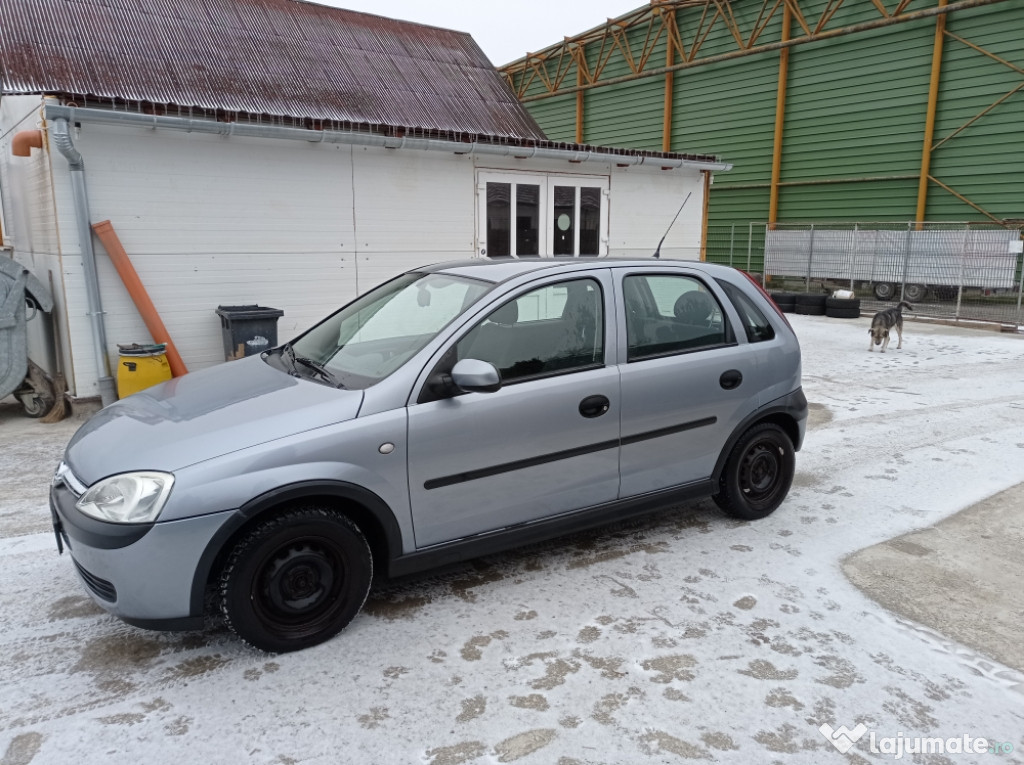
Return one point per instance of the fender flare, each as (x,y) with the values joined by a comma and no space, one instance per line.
(372,505)
(790,409)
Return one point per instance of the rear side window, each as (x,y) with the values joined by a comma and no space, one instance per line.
(755,324)
(668,314)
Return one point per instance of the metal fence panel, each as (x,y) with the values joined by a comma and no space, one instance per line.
(948,270)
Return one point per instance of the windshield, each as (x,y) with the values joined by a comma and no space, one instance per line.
(372,337)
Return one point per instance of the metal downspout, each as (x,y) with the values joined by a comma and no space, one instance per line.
(780,120)
(61,135)
(929,123)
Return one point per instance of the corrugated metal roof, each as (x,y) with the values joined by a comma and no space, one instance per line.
(253,58)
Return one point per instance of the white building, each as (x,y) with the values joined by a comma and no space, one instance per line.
(290,158)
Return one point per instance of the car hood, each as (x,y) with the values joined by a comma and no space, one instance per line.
(203,415)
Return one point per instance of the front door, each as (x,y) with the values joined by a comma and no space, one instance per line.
(546,443)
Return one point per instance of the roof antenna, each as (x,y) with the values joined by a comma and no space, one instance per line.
(657,250)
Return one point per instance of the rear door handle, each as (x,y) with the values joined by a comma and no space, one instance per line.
(594,406)
(731,379)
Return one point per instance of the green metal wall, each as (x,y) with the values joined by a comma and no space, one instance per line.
(855,117)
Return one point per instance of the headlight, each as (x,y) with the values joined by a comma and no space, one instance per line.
(127,498)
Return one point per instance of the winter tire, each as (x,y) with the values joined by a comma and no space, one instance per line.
(786,301)
(816,301)
(810,305)
(296,580)
(842,303)
(842,308)
(843,313)
(757,473)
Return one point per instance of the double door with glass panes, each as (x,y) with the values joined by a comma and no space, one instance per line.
(528,215)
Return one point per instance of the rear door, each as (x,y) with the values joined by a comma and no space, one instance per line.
(687,382)
(547,442)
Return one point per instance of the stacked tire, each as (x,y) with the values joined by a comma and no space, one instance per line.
(786,301)
(842,308)
(811,305)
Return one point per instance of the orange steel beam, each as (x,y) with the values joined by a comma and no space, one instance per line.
(521,75)
(704,215)
(670,84)
(978,116)
(965,200)
(819,182)
(984,52)
(780,120)
(106,234)
(579,105)
(929,122)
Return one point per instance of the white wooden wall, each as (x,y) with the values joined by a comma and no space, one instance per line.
(303,227)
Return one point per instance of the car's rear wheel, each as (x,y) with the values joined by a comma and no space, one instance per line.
(758,473)
(296,580)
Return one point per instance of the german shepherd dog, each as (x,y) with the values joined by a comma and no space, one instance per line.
(890,318)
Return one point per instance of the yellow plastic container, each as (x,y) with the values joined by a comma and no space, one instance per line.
(141,367)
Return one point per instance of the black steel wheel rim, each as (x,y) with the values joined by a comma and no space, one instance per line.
(298,587)
(761,472)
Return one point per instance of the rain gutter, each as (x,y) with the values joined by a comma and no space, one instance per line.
(61,136)
(252,130)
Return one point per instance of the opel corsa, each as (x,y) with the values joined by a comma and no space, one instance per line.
(451,412)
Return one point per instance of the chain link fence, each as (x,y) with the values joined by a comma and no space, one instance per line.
(946,270)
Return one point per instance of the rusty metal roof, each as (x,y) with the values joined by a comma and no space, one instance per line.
(280,59)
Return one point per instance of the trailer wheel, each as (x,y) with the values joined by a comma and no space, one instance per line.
(915,293)
(884,290)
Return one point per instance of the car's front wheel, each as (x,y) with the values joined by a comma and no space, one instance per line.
(296,580)
(758,473)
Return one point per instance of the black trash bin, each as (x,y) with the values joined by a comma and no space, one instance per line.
(247,329)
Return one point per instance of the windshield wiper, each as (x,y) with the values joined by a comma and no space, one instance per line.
(287,349)
(317,367)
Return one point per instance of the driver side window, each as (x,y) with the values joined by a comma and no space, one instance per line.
(551,330)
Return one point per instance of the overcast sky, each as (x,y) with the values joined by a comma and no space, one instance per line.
(505,31)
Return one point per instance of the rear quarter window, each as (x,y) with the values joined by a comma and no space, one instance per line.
(755,323)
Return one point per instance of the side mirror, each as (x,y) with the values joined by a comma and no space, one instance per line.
(475,376)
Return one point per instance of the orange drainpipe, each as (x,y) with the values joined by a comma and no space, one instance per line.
(21,146)
(26,140)
(106,234)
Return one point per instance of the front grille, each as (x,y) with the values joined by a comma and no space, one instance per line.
(103,589)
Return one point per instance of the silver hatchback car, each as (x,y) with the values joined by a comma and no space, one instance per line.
(454,411)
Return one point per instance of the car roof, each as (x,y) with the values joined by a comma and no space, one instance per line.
(499,270)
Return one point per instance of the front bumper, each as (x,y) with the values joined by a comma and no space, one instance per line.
(144,574)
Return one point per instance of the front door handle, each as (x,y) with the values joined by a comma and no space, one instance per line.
(731,379)
(594,406)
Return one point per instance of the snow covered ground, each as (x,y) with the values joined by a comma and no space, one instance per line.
(683,636)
